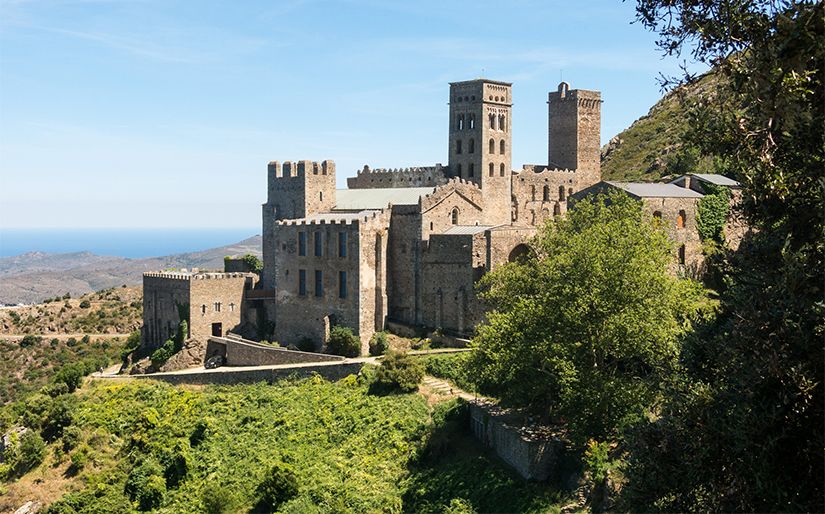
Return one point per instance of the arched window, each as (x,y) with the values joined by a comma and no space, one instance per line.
(458,169)
(472,121)
(501,169)
(471,170)
(561,193)
(514,210)
(569,191)
(556,210)
(680,220)
(501,147)
(493,121)
(492,146)
(533,193)
(501,123)
(458,146)
(454,216)
(545,194)
(682,255)
(492,169)
(657,214)
(460,122)
(532,217)
(471,146)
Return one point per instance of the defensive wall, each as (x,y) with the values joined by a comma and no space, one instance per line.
(540,192)
(242,352)
(416,176)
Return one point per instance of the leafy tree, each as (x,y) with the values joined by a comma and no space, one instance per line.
(712,213)
(399,371)
(278,486)
(587,328)
(343,342)
(30,340)
(379,343)
(743,430)
(145,484)
(85,304)
(253,263)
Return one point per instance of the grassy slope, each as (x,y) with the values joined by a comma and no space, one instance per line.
(352,451)
(646,149)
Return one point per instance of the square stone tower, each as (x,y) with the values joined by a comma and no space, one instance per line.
(480,139)
(574,135)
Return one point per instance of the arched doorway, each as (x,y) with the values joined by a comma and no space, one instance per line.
(520,253)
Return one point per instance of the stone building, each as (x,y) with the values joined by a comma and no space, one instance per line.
(408,245)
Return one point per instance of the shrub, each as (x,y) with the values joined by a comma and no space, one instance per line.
(85,304)
(175,463)
(30,340)
(146,485)
(72,435)
(29,453)
(379,344)
(163,354)
(399,371)
(278,486)
(71,342)
(85,339)
(343,342)
(218,500)
(459,506)
(71,375)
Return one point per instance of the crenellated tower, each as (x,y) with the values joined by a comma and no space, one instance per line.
(480,140)
(294,190)
(574,132)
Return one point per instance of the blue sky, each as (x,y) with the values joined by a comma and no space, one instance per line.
(164,114)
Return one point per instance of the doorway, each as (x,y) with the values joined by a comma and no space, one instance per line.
(217,329)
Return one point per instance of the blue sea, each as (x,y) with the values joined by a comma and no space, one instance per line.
(129,242)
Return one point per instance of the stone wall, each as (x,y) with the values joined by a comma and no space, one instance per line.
(424,176)
(299,316)
(686,236)
(574,120)
(250,353)
(217,303)
(540,193)
(534,453)
(404,264)
(229,376)
(165,305)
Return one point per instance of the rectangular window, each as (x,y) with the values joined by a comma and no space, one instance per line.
(302,243)
(342,244)
(319,283)
(302,282)
(217,306)
(319,244)
(342,284)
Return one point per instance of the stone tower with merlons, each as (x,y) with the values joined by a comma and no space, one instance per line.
(574,132)
(480,142)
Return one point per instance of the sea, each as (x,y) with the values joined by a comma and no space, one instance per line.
(132,243)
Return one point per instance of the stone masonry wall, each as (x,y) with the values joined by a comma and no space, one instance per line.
(687,235)
(424,176)
(404,264)
(165,298)
(540,193)
(217,301)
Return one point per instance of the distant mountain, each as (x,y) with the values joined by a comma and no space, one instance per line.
(651,148)
(35,276)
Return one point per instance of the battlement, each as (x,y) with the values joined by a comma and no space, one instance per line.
(581,97)
(297,169)
(415,176)
(337,219)
(194,275)
(541,169)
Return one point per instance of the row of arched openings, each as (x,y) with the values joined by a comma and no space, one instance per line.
(545,194)
(681,217)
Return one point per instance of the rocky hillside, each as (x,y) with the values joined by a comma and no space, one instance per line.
(35,276)
(651,148)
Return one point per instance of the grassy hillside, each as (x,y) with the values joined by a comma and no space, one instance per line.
(336,447)
(651,148)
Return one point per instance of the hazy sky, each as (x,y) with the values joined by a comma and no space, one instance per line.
(164,114)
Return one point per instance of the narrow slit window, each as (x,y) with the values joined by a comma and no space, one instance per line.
(302,244)
(319,244)
(342,284)
(319,283)
(302,282)
(342,244)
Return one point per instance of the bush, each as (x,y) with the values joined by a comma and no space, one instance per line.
(379,343)
(163,354)
(146,485)
(71,342)
(29,340)
(218,500)
(85,304)
(71,375)
(175,463)
(343,342)
(399,371)
(306,345)
(278,486)
(28,453)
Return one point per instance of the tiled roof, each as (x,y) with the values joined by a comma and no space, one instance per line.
(656,190)
(360,199)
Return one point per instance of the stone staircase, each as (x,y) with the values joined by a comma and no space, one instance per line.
(444,388)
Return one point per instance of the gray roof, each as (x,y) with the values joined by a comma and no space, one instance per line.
(656,190)
(463,230)
(360,199)
(719,180)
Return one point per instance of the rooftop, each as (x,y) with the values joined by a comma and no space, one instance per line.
(362,199)
(338,216)
(463,230)
(656,190)
(719,180)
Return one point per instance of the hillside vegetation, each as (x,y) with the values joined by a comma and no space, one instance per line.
(651,148)
(295,446)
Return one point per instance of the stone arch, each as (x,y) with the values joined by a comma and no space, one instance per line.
(501,147)
(492,168)
(681,218)
(454,216)
(492,145)
(501,169)
(545,193)
(519,253)
(561,193)
(471,146)
(556,210)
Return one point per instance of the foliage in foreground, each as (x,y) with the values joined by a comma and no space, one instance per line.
(399,371)
(342,341)
(303,446)
(742,429)
(587,331)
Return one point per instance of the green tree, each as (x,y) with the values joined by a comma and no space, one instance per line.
(343,342)
(278,486)
(399,371)
(586,328)
(743,430)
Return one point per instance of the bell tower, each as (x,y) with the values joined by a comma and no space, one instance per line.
(574,132)
(480,140)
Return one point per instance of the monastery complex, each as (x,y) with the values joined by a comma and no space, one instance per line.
(407,246)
